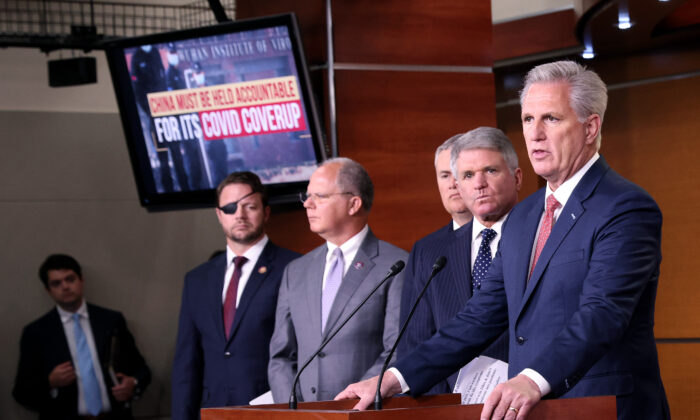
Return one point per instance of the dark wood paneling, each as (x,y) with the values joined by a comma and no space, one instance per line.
(680,371)
(310,13)
(543,33)
(290,229)
(392,122)
(440,32)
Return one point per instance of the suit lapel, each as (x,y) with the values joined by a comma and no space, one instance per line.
(314,286)
(101,334)
(57,336)
(568,217)
(355,275)
(255,281)
(459,262)
(216,288)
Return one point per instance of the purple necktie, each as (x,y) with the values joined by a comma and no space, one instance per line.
(335,277)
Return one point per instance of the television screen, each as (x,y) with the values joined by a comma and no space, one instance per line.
(199,104)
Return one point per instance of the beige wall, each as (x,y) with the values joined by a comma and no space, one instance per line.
(67,186)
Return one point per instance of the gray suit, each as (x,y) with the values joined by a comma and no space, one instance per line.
(360,348)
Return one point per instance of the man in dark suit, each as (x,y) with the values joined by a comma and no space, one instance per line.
(489,193)
(321,288)
(79,359)
(575,277)
(228,307)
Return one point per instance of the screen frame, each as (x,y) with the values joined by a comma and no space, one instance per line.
(280,194)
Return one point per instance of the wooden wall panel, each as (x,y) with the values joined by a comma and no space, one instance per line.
(441,32)
(680,371)
(543,33)
(392,122)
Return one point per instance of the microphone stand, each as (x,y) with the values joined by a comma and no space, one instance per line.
(394,270)
(437,267)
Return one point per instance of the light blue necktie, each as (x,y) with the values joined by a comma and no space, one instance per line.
(91,389)
(335,277)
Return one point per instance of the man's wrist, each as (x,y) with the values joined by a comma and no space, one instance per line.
(539,380)
(404,386)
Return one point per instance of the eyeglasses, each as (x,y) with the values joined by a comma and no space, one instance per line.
(231,208)
(303,196)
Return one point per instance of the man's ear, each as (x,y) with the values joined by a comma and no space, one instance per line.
(355,204)
(592,128)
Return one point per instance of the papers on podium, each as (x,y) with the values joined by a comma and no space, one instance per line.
(479,377)
(265,398)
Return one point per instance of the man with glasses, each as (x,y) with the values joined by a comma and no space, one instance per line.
(321,288)
(228,307)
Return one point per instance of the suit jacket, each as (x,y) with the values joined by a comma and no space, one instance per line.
(585,318)
(446,295)
(209,370)
(361,347)
(43,346)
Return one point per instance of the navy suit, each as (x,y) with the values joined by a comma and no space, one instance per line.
(585,318)
(44,346)
(446,295)
(209,370)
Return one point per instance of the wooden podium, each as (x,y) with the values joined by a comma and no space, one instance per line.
(444,406)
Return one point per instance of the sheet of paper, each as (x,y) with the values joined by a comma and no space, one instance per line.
(265,398)
(479,377)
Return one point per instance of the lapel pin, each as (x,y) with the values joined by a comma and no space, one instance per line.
(573,216)
(262,270)
(359,265)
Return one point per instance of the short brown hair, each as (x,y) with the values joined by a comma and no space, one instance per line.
(244,177)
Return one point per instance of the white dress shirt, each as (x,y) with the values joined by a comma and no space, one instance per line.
(477,227)
(69,330)
(253,253)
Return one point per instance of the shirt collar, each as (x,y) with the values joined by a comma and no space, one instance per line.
(252,253)
(350,246)
(68,316)
(477,226)
(565,190)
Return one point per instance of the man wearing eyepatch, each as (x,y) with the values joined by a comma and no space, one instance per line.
(228,307)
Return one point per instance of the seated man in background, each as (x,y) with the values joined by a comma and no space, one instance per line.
(78,360)
(488,187)
(228,307)
(321,288)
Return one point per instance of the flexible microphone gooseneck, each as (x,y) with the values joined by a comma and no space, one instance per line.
(439,264)
(394,270)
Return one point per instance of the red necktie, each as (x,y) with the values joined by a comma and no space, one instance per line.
(545,228)
(231,294)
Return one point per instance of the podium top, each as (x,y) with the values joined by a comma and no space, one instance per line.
(444,406)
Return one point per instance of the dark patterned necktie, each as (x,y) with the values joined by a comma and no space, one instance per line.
(483,258)
(232,294)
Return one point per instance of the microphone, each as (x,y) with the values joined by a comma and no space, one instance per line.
(394,270)
(437,267)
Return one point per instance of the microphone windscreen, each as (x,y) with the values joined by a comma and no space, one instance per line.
(397,267)
(439,263)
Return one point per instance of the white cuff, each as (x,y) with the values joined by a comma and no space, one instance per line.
(402,381)
(542,383)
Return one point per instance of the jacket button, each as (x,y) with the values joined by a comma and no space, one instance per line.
(227,354)
(313,390)
(322,355)
(520,340)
